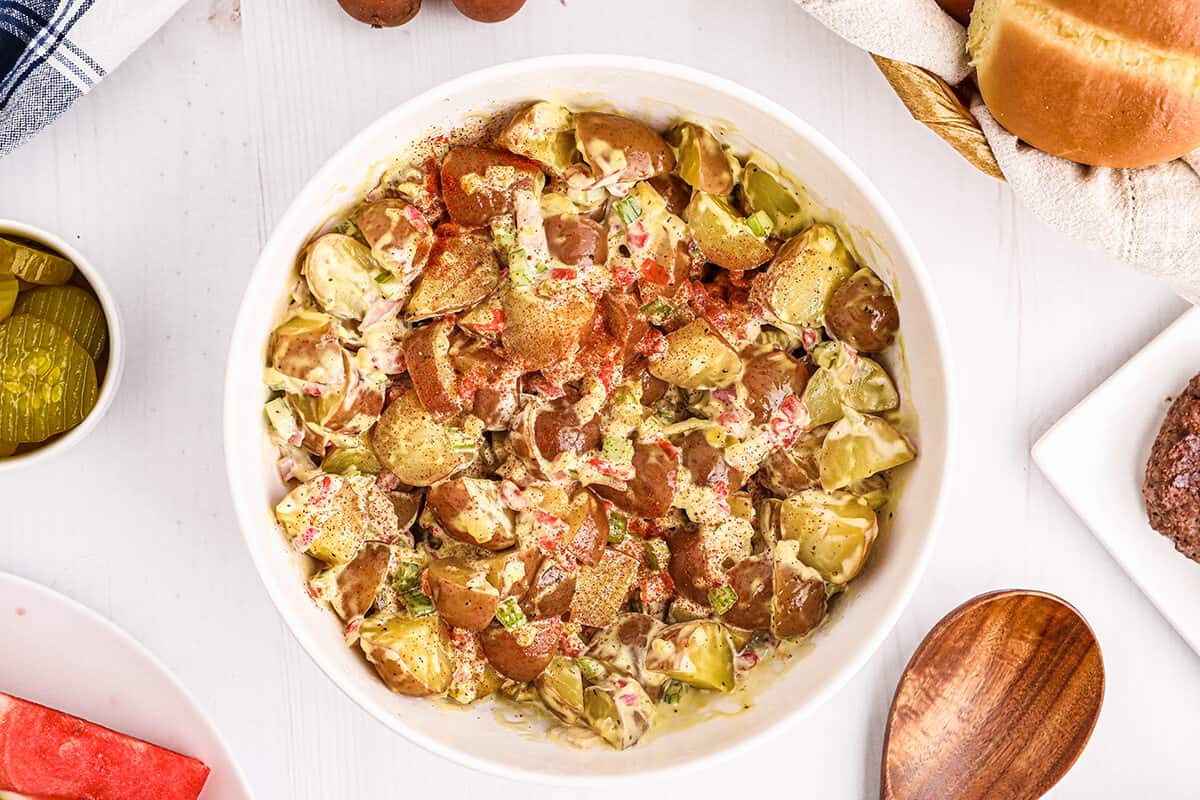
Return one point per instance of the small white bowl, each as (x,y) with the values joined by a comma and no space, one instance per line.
(659,93)
(115,355)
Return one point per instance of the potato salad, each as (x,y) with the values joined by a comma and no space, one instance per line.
(584,413)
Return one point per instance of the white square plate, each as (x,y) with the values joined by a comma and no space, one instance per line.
(1096,456)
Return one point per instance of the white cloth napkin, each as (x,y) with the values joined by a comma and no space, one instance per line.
(1148,217)
(52,52)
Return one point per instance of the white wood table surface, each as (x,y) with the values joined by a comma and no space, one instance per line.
(172,173)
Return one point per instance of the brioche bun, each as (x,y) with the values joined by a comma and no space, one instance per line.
(1111,83)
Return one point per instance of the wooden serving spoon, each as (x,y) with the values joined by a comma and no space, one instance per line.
(997,702)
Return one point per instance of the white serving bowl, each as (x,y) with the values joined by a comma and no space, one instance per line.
(657,92)
(110,377)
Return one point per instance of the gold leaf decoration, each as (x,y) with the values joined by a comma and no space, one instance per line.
(932,102)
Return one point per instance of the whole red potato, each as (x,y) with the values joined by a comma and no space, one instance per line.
(489,10)
(381,13)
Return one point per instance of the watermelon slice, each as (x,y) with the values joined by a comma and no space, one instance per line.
(46,753)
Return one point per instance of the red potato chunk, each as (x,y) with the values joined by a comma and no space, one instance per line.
(576,240)
(522,654)
(358,583)
(770,378)
(306,348)
(427,355)
(478,183)
(462,593)
(600,590)
(753,581)
(542,331)
(462,271)
(551,592)
(587,525)
(399,236)
(616,144)
(625,323)
(706,464)
(652,489)
(470,510)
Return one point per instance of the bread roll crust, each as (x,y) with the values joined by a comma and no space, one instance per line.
(959,9)
(1112,83)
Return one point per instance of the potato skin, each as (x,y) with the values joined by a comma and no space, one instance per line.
(522,662)
(360,581)
(461,593)
(576,240)
(469,507)
(381,13)
(551,593)
(862,313)
(427,355)
(688,565)
(544,331)
(489,10)
(706,464)
(799,602)
(753,580)
(647,154)
(652,489)
(769,379)
(475,208)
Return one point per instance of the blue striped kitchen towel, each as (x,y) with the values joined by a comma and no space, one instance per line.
(52,52)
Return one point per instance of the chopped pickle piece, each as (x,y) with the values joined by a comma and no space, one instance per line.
(618,709)
(723,236)
(859,446)
(789,208)
(699,653)
(805,273)
(834,530)
(33,264)
(71,308)
(560,687)
(9,289)
(846,378)
(47,381)
(355,454)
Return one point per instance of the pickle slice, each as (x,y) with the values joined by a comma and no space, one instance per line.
(47,381)
(71,308)
(34,265)
(8,293)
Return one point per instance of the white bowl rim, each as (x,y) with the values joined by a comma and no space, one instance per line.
(116,346)
(249,519)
